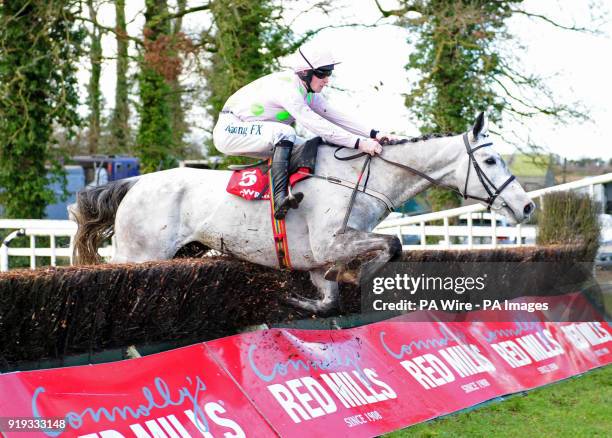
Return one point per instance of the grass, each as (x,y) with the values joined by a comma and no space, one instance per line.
(576,407)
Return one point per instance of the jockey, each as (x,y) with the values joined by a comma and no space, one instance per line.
(256,120)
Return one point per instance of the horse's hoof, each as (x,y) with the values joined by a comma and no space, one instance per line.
(349,276)
(315,306)
(332,273)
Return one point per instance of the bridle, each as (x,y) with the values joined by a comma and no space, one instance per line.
(484,179)
(486,182)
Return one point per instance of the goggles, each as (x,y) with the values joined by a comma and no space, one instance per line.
(321,74)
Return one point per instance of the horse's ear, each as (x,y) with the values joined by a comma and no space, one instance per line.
(481,126)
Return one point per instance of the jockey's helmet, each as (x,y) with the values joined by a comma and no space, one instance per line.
(314,60)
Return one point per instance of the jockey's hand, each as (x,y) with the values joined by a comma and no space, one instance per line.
(384,138)
(369,146)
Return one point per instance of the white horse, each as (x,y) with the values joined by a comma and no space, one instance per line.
(154,215)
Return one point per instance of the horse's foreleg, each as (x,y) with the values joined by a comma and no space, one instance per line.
(328,291)
(358,247)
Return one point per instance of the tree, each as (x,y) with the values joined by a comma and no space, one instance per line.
(160,69)
(120,129)
(464,69)
(94,99)
(39,47)
(154,142)
(248,38)
(177,107)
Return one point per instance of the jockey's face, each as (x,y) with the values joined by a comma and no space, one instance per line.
(317,84)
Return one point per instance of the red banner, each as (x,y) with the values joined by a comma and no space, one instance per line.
(363,381)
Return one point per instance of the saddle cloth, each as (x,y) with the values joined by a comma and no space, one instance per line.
(253,183)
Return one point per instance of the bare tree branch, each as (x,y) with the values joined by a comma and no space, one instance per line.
(110,29)
(554,23)
(414,7)
(184,12)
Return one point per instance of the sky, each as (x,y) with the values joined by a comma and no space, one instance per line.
(371,79)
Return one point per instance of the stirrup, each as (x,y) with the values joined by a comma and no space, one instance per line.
(291,201)
(294,199)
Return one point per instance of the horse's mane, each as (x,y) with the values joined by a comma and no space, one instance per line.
(429,136)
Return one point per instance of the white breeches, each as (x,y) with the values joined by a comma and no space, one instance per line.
(252,139)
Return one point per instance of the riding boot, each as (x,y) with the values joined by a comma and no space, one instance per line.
(283,198)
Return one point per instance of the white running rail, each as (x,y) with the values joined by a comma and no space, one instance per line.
(470,235)
(34,228)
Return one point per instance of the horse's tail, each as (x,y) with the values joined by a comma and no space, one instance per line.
(94,213)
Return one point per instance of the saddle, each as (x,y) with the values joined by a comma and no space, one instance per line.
(252,181)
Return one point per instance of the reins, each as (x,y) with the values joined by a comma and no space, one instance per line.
(483,178)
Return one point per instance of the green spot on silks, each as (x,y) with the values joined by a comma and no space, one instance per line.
(257,109)
(283,115)
(309,98)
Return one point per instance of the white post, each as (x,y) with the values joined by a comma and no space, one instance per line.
(446,232)
(423,237)
(53,256)
(4,255)
(592,191)
(71,247)
(519,235)
(493,229)
(32,252)
(4,258)
(399,233)
(470,224)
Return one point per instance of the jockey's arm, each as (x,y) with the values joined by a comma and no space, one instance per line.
(318,125)
(322,107)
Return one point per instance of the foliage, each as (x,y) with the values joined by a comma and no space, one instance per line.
(94,98)
(176,97)
(570,218)
(120,130)
(249,37)
(458,61)
(160,68)
(39,46)
(463,68)
(154,142)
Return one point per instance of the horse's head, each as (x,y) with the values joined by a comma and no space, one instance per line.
(483,175)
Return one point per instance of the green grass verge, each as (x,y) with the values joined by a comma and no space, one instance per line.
(576,407)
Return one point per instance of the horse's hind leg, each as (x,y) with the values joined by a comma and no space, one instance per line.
(328,291)
(135,243)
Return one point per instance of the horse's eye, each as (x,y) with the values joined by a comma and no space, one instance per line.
(490,161)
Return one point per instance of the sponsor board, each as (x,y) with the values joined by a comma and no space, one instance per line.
(363,381)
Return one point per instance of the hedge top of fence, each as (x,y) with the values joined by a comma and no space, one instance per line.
(53,312)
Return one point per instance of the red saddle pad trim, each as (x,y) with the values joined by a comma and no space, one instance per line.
(254,185)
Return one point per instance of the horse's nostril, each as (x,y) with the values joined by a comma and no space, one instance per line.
(529,208)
